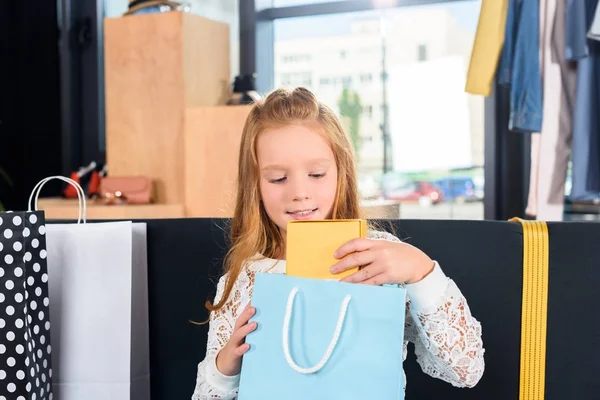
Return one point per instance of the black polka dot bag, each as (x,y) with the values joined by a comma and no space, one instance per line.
(25,349)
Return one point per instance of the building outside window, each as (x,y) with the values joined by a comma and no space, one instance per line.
(436,130)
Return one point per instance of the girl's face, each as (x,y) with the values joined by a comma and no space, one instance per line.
(298,174)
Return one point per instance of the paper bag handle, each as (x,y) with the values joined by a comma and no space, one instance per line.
(80,195)
(332,344)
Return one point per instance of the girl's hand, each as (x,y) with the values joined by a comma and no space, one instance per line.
(229,359)
(382,262)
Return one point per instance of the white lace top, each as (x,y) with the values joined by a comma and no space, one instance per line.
(446,337)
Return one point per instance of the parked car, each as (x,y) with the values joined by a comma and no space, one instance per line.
(459,189)
(407,191)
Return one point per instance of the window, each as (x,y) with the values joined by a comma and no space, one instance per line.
(298,58)
(366,78)
(422,55)
(336,81)
(432,158)
(296,79)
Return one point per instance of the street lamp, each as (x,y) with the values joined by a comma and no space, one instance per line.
(385,131)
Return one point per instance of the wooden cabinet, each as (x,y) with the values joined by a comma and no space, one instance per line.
(167,82)
(156,67)
(213,136)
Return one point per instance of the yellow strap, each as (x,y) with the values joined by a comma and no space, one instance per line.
(534,309)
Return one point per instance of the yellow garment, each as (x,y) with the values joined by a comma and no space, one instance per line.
(487,46)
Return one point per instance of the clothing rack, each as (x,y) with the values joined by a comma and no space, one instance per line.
(554,92)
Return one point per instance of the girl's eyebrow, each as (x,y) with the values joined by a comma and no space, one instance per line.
(279,167)
(273,167)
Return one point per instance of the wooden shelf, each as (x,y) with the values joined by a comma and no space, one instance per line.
(56,208)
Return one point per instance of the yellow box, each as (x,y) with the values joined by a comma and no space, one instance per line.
(311,245)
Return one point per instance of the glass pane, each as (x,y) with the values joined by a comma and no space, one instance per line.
(412,61)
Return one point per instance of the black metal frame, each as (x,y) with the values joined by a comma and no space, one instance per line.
(506,153)
(337,7)
(507,161)
(81,49)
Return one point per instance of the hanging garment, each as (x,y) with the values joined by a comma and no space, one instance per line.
(505,79)
(594,32)
(487,46)
(505,67)
(586,123)
(559,78)
(520,68)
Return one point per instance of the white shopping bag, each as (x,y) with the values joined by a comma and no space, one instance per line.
(98,285)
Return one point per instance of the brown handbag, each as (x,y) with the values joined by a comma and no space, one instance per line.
(126,189)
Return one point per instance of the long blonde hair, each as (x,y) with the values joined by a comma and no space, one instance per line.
(252,231)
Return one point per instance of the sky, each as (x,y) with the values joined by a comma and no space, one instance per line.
(465,12)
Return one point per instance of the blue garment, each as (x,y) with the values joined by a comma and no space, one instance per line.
(365,361)
(504,74)
(520,66)
(576,30)
(586,119)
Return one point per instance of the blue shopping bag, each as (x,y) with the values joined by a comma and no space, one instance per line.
(319,339)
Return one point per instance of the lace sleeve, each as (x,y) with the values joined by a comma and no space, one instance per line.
(447,338)
(210,383)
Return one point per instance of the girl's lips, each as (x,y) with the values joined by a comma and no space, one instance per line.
(303,214)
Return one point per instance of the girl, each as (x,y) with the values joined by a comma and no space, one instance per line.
(296,162)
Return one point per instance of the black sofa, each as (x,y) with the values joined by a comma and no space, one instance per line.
(483,257)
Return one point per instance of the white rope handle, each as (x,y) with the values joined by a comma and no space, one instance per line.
(332,344)
(80,195)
